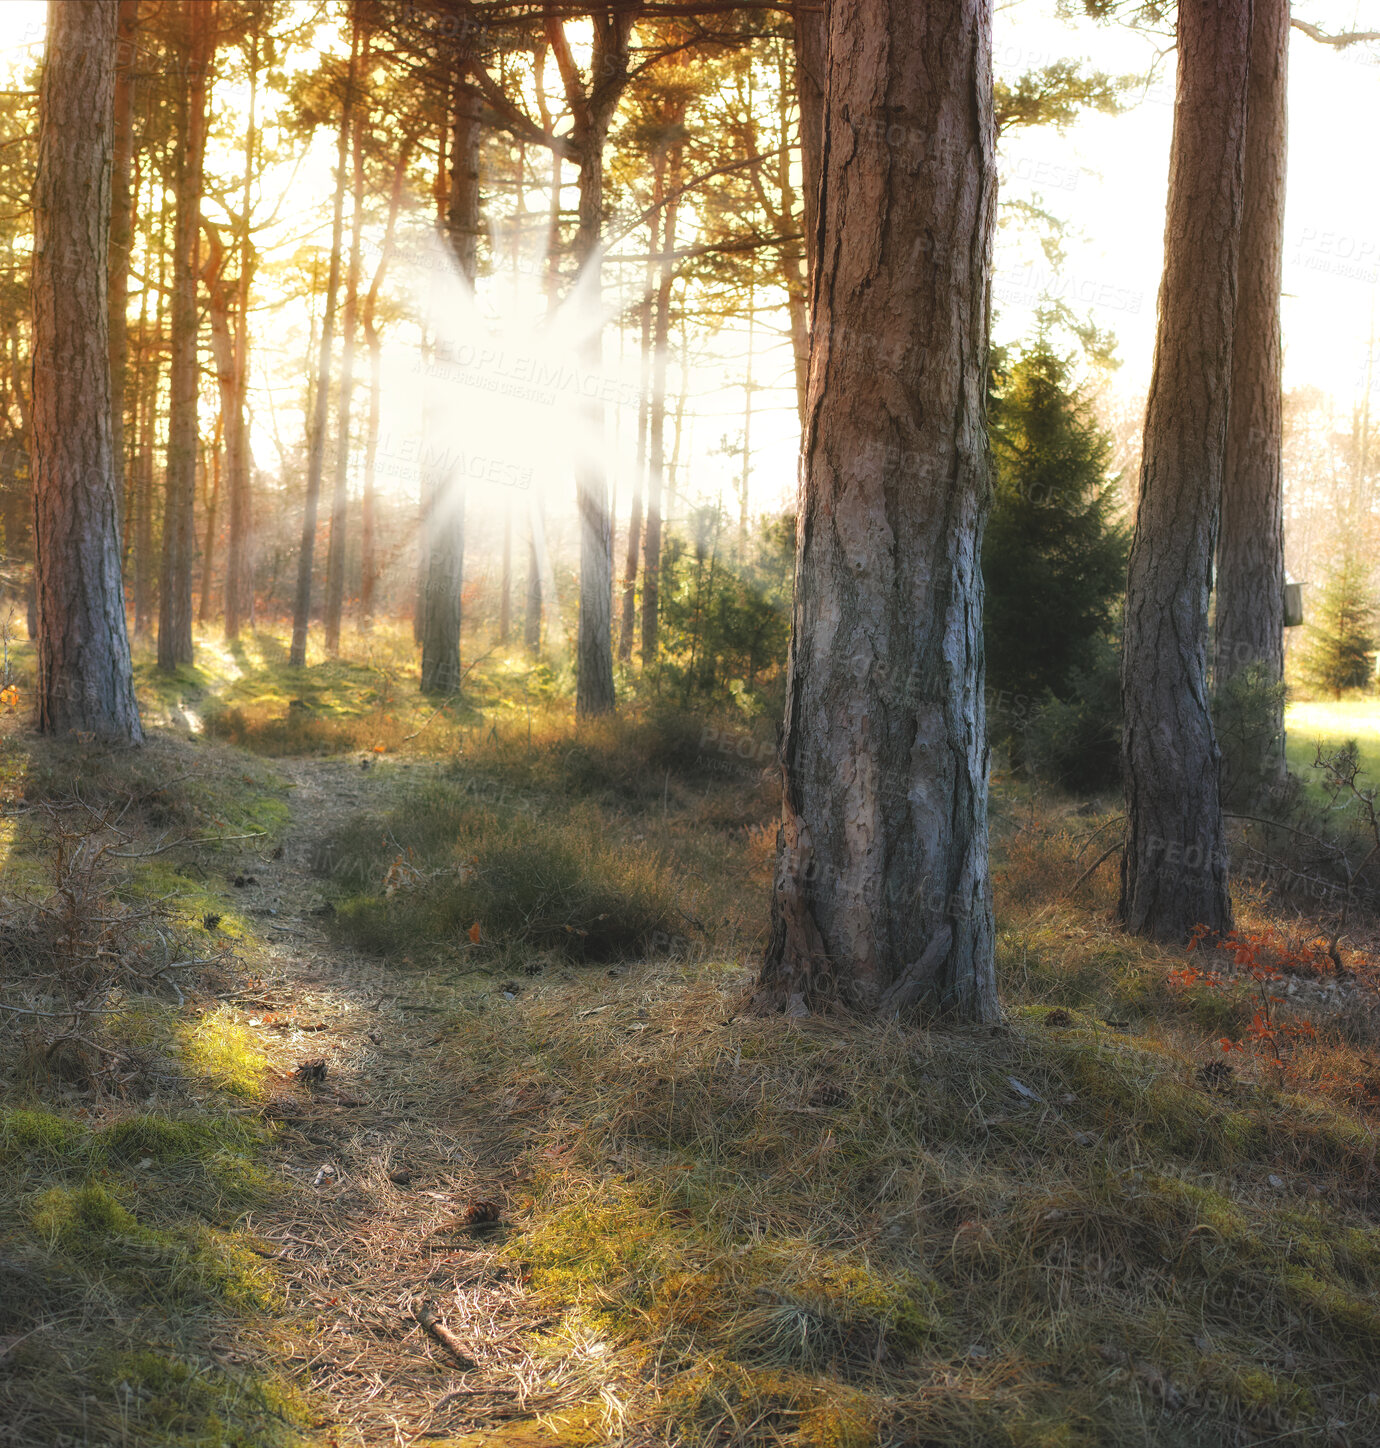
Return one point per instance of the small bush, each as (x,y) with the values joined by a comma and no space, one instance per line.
(1075,742)
(1248,714)
(445,872)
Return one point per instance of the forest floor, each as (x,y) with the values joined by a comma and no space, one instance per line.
(498,970)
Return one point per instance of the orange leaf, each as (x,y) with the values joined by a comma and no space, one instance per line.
(474,933)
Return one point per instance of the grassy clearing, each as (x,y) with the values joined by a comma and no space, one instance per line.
(1090,1226)
(1310,723)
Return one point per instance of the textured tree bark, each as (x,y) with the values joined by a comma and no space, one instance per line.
(340,498)
(1249,617)
(121,229)
(1174,869)
(882,899)
(84,677)
(199,19)
(445,525)
(316,445)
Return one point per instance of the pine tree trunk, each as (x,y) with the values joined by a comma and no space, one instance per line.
(336,551)
(368,547)
(531,617)
(121,231)
(1174,870)
(811,33)
(591,114)
(210,464)
(179,501)
(152,384)
(594,693)
(656,466)
(628,623)
(882,899)
(239,545)
(316,447)
(85,681)
(1249,622)
(445,521)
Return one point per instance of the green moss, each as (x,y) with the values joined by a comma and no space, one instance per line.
(41,1138)
(227,1053)
(167,1141)
(84,1222)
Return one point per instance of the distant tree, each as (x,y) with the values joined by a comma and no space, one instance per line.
(84,677)
(882,899)
(1054,554)
(1342,637)
(1174,873)
(196,48)
(316,445)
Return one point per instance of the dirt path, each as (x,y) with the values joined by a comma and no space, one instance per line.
(380,1158)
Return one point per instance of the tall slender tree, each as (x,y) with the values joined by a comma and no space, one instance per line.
(445,519)
(121,229)
(882,899)
(340,496)
(316,443)
(592,106)
(85,680)
(197,43)
(1174,868)
(239,541)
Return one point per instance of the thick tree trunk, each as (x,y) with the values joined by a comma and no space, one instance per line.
(239,546)
(1174,870)
(882,899)
(340,500)
(84,676)
(656,465)
(1249,621)
(179,502)
(121,230)
(316,448)
(445,520)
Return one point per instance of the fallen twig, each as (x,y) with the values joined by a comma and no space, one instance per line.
(1106,854)
(432,1324)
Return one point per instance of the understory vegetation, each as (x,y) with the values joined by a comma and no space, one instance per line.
(1145,1208)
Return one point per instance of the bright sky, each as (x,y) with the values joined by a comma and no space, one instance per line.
(1105,178)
